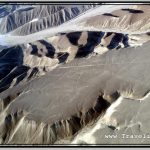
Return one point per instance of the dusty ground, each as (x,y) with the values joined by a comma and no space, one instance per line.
(78,87)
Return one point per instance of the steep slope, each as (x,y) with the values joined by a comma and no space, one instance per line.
(127,19)
(23,62)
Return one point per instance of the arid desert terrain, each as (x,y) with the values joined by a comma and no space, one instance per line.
(75,74)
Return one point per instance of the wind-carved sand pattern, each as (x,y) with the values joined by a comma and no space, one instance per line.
(74,74)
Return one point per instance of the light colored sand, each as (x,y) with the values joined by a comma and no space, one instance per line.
(51,108)
(92,22)
(79,82)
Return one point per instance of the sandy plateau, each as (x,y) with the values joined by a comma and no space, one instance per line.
(74,74)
